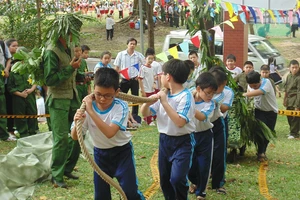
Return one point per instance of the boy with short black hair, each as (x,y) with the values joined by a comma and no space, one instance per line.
(190,82)
(265,107)
(106,119)
(265,73)
(193,56)
(230,65)
(175,110)
(241,78)
(223,99)
(83,81)
(146,81)
(292,97)
(206,86)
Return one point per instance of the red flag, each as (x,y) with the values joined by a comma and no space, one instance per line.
(196,41)
(246,12)
(124,73)
(282,14)
(163,3)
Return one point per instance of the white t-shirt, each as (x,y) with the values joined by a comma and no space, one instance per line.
(183,103)
(267,101)
(124,60)
(235,71)
(109,23)
(117,114)
(228,98)
(157,69)
(207,108)
(147,74)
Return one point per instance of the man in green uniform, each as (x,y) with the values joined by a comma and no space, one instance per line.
(292,97)
(60,68)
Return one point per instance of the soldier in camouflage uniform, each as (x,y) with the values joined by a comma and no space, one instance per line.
(60,68)
(292,98)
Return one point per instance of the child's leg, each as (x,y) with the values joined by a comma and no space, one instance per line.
(218,166)
(164,166)
(179,152)
(101,188)
(204,158)
(269,118)
(19,108)
(125,172)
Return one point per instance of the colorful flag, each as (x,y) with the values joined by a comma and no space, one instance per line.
(253,13)
(196,41)
(137,66)
(162,56)
(184,46)
(174,52)
(243,17)
(124,73)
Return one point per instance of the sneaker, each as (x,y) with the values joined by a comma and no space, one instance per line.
(262,157)
(152,124)
(291,137)
(221,190)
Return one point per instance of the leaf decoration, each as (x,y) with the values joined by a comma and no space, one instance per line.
(30,63)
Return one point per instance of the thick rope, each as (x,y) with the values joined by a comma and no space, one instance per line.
(78,125)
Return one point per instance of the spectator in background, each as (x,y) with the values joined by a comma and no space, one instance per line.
(4,69)
(12,46)
(132,60)
(120,9)
(109,27)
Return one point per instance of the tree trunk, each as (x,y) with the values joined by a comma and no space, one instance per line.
(149,14)
(38,7)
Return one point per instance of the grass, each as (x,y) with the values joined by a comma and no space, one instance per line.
(282,172)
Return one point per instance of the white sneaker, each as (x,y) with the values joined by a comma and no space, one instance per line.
(291,137)
(152,124)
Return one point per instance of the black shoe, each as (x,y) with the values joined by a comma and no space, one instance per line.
(71,176)
(58,184)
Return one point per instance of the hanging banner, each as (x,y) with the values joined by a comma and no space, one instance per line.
(235,8)
(243,17)
(196,41)
(124,73)
(234,19)
(277,16)
(267,4)
(229,8)
(260,15)
(218,31)
(162,56)
(253,13)
(272,15)
(174,52)
(229,23)
(244,8)
(184,47)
